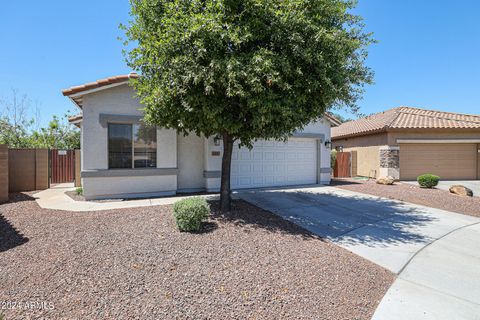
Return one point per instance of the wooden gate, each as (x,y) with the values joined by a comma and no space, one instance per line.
(342,165)
(62,164)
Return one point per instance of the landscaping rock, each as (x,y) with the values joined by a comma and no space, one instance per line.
(435,198)
(461,191)
(385,180)
(132,263)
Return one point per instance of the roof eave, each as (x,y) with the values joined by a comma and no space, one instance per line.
(76,93)
(332,119)
(360,134)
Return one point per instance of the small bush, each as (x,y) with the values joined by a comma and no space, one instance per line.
(333,158)
(79,191)
(428,180)
(189,213)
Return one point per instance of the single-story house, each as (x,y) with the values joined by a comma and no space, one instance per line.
(406,142)
(122,157)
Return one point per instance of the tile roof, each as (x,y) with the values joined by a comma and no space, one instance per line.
(333,120)
(124,78)
(75,118)
(406,118)
(99,83)
(75,93)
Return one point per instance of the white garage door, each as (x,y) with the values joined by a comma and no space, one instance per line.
(275,163)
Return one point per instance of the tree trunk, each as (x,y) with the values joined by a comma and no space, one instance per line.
(225,199)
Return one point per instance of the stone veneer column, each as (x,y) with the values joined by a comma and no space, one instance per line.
(390,161)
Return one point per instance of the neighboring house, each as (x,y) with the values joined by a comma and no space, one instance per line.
(121,157)
(406,142)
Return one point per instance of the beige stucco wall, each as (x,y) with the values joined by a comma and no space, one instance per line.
(390,137)
(197,159)
(213,164)
(478,161)
(366,159)
(106,187)
(432,134)
(120,100)
(323,127)
(190,163)
(379,139)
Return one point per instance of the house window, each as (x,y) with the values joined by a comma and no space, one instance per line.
(132,146)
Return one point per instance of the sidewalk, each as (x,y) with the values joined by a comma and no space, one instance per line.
(442,282)
(56,199)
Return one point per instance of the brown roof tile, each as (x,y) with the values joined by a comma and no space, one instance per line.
(99,83)
(75,118)
(333,120)
(406,118)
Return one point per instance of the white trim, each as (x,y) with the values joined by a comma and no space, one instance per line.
(108,86)
(438,140)
(389,148)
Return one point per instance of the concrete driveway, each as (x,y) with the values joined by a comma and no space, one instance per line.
(385,231)
(442,282)
(435,253)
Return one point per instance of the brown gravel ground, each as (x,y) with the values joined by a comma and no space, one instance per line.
(434,198)
(134,264)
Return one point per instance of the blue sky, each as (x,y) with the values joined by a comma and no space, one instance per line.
(427,55)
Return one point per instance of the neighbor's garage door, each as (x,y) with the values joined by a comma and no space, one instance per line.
(449,161)
(273,163)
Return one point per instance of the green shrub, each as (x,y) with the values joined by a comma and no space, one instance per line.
(189,213)
(333,158)
(428,180)
(79,191)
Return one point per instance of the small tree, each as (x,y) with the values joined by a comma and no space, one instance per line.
(245,69)
(19,129)
(15,124)
(58,135)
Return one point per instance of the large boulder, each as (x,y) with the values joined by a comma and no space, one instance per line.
(461,191)
(386,180)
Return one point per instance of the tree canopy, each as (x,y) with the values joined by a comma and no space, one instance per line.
(245,69)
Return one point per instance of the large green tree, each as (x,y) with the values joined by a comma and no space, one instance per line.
(245,69)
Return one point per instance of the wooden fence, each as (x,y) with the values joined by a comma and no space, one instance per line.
(34,169)
(62,165)
(342,167)
(28,169)
(3,173)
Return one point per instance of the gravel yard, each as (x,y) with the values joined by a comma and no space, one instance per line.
(434,198)
(134,264)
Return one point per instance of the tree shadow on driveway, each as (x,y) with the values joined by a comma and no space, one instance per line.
(353,219)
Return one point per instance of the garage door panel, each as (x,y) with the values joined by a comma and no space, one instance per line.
(449,161)
(269,168)
(257,167)
(275,163)
(268,155)
(257,155)
(268,143)
(291,156)
(280,156)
